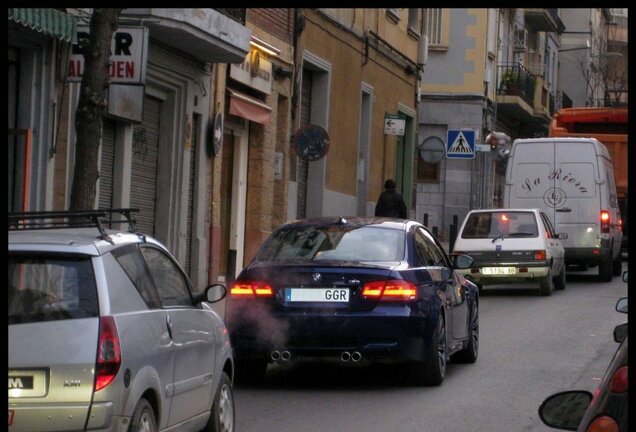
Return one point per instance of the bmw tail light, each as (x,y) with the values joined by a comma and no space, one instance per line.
(603,424)
(618,384)
(108,353)
(390,290)
(540,255)
(605,221)
(251,289)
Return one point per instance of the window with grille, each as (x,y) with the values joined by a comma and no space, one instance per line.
(433,25)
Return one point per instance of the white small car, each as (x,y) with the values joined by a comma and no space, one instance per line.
(511,246)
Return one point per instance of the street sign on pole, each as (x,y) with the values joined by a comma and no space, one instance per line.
(460,144)
(394,124)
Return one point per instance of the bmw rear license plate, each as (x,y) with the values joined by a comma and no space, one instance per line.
(329,295)
(498,270)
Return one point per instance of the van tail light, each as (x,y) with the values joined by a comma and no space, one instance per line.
(603,423)
(540,255)
(390,290)
(108,353)
(618,384)
(605,221)
(251,289)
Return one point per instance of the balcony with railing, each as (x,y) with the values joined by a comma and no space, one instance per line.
(544,20)
(516,80)
(523,99)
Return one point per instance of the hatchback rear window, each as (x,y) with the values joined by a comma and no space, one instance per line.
(49,288)
(500,224)
(366,243)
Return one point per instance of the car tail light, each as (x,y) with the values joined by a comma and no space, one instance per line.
(618,384)
(620,224)
(603,424)
(390,290)
(605,221)
(251,289)
(540,254)
(108,353)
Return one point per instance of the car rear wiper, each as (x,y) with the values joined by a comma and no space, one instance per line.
(521,234)
(501,236)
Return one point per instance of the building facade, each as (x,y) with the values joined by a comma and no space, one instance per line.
(354,69)
(214,143)
(153,154)
(487,70)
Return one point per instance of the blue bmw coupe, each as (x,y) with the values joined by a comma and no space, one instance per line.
(358,290)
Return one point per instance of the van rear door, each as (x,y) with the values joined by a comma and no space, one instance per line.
(575,197)
(529,176)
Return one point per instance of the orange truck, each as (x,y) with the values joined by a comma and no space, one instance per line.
(609,126)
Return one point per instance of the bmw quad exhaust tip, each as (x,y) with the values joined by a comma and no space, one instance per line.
(280,356)
(345,356)
(356,356)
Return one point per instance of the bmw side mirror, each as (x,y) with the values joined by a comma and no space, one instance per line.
(461,261)
(562,236)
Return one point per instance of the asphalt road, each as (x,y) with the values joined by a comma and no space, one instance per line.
(530,347)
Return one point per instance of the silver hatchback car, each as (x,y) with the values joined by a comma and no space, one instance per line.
(106,332)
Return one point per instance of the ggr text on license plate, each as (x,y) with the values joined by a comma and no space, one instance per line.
(317,295)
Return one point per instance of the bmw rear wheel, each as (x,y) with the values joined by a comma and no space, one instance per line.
(471,351)
(250,371)
(431,370)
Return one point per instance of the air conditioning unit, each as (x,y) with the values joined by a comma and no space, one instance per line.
(520,42)
(423,54)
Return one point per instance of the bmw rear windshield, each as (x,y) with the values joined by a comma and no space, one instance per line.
(50,287)
(337,242)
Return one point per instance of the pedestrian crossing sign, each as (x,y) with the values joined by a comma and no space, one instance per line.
(460,144)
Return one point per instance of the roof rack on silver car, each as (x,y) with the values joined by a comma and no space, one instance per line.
(72,219)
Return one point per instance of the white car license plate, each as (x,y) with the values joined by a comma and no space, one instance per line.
(498,270)
(337,295)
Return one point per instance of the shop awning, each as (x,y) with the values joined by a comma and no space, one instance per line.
(249,108)
(48,21)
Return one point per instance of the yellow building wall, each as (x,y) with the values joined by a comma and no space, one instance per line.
(391,85)
(473,82)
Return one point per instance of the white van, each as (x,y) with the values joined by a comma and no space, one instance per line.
(572,180)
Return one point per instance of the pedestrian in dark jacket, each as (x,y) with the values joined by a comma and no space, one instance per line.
(390,203)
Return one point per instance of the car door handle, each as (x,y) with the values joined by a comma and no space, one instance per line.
(564,210)
(169,325)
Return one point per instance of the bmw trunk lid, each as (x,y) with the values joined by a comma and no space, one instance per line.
(335,285)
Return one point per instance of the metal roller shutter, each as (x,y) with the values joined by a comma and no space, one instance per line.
(107,164)
(302,165)
(143,179)
(196,121)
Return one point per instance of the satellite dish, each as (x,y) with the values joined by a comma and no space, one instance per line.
(311,142)
(432,149)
